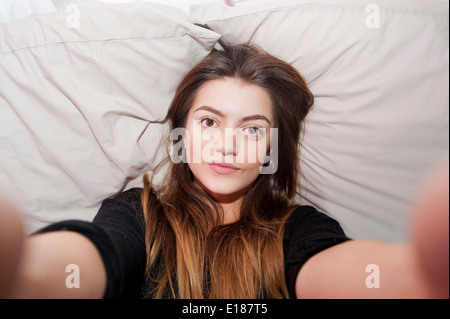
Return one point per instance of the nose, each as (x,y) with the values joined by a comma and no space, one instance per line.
(228,143)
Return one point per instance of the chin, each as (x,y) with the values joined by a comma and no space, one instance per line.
(219,186)
(222,187)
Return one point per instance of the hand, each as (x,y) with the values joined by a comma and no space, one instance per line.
(430,231)
(11,241)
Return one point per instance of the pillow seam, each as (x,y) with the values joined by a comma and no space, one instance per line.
(5,52)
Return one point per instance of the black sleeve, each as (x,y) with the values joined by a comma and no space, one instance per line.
(118,232)
(307,233)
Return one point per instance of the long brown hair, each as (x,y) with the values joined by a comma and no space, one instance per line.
(190,253)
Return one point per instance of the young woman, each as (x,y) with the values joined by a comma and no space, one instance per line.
(221,226)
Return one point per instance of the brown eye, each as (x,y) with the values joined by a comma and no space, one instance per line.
(208,122)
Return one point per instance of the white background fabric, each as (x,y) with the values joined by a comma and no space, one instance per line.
(11,10)
(75,103)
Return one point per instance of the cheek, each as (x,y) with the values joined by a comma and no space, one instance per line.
(202,144)
(254,152)
(190,146)
(196,170)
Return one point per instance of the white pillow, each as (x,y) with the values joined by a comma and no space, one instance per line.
(76,102)
(11,10)
(380,74)
(89,4)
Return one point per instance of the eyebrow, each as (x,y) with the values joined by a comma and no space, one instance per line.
(244,119)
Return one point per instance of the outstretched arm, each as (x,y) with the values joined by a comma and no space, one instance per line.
(59,265)
(363,269)
(105,258)
(11,242)
(36,267)
(370,269)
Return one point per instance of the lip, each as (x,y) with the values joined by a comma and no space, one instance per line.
(223,168)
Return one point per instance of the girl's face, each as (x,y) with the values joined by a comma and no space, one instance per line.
(229,137)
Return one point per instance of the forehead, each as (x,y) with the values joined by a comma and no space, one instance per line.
(234,98)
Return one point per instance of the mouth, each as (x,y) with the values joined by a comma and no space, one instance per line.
(223,168)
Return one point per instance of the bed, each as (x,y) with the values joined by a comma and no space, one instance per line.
(83,83)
